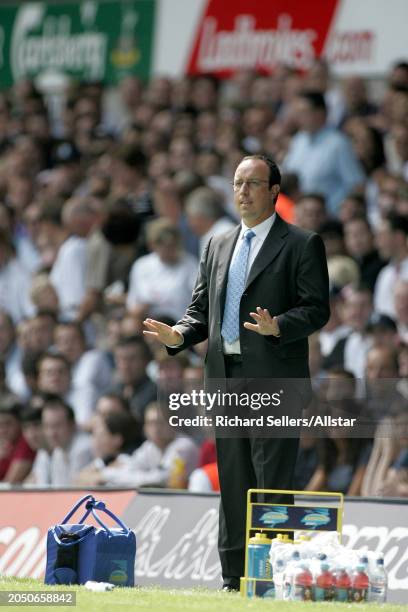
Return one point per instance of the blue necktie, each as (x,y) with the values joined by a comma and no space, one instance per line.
(235,289)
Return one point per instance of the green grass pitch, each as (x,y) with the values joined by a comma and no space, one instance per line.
(172,600)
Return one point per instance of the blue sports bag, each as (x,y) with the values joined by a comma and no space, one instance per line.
(77,552)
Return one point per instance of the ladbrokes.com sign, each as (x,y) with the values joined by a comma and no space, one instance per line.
(262,35)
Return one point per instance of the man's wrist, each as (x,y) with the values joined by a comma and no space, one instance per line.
(180,341)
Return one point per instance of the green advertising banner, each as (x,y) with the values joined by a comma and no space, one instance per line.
(89,40)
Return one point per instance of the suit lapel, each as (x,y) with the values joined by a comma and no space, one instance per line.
(224,259)
(271,247)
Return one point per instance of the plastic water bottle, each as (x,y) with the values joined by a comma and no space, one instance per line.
(342,585)
(377,590)
(259,565)
(278,544)
(359,584)
(302,583)
(278,576)
(324,583)
(288,578)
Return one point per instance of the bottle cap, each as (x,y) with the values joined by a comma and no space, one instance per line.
(284,537)
(260,538)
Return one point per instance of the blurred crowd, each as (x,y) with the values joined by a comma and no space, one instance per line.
(108,198)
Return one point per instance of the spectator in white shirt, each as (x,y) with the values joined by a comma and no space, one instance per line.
(162,281)
(321,156)
(351,350)
(166,458)
(132,356)
(401,309)
(54,376)
(206,216)
(67,450)
(112,434)
(15,282)
(91,373)
(391,238)
(10,355)
(68,274)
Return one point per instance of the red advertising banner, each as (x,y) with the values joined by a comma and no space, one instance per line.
(260,35)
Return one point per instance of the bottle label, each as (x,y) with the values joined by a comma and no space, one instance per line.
(286,590)
(358,594)
(301,593)
(377,593)
(323,594)
(259,565)
(342,594)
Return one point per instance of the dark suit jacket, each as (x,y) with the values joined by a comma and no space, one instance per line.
(289,277)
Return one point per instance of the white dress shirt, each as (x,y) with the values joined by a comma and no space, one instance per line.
(68,275)
(151,466)
(61,466)
(163,287)
(384,287)
(91,376)
(220,227)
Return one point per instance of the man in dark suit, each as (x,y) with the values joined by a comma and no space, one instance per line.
(275,273)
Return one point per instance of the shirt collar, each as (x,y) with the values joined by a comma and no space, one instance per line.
(261,230)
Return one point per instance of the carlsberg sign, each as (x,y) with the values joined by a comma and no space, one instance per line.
(91,40)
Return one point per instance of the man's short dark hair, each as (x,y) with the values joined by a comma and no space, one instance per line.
(332,229)
(313,196)
(398,223)
(125,424)
(11,406)
(55,356)
(274,172)
(74,325)
(136,341)
(315,99)
(132,156)
(31,415)
(401,65)
(51,211)
(122,225)
(116,397)
(46,313)
(29,364)
(55,403)
(360,218)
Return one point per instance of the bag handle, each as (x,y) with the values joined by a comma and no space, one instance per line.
(88,506)
(91,506)
(99,505)
(72,542)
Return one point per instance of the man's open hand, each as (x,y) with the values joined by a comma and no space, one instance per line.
(162,332)
(265,324)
